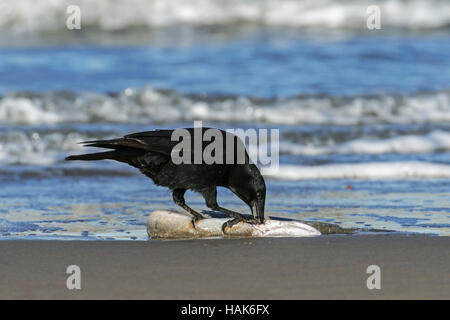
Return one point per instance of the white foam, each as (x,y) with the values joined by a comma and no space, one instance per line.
(149,105)
(25,16)
(371,170)
(437,140)
(22,110)
(17,147)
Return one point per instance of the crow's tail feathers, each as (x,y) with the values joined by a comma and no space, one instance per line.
(123,150)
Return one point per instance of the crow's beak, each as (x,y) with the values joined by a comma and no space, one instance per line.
(258,210)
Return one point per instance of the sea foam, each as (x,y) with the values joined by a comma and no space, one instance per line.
(26,16)
(162,106)
(434,141)
(369,170)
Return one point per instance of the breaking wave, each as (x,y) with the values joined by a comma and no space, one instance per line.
(434,141)
(26,16)
(45,148)
(370,170)
(18,147)
(148,105)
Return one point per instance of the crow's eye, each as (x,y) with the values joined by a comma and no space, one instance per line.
(259,194)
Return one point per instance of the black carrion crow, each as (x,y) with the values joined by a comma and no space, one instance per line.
(153,152)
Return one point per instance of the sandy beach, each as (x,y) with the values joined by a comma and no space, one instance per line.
(326,267)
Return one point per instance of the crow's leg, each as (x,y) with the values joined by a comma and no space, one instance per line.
(210,196)
(178,198)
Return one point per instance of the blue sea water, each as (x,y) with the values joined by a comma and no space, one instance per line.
(263,65)
(364,116)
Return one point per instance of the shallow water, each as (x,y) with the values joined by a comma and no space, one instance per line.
(107,207)
(364,116)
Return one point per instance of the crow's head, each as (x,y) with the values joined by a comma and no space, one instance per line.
(248,184)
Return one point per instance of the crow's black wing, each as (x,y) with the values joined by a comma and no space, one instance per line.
(158,141)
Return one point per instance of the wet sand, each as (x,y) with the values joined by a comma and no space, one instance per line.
(326,267)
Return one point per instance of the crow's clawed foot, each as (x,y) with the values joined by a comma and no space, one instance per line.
(234,221)
(195,219)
